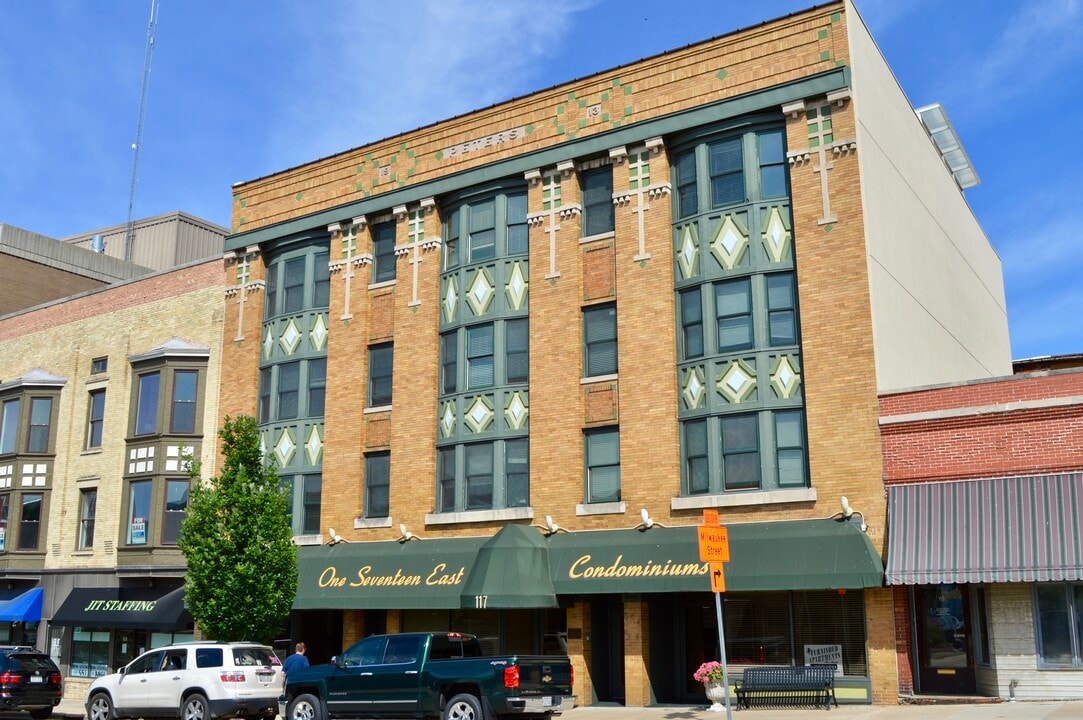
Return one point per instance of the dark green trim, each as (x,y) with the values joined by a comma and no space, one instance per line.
(757,101)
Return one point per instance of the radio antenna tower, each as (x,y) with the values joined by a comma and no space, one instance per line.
(148,55)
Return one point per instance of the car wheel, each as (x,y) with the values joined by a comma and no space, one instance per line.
(305,707)
(101,708)
(195,708)
(463,707)
(41,713)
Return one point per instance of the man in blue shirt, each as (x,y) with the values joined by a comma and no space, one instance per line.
(295,661)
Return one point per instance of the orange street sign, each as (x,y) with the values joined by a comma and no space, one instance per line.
(714,544)
(718,578)
(710,518)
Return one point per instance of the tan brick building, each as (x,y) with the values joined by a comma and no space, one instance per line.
(101,396)
(601,309)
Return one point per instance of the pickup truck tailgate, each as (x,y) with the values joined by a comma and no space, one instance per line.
(544,676)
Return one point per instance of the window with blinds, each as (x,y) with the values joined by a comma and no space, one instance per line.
(600,340)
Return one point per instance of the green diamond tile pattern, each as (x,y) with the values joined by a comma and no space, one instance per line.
(736,382)
(480,415)
(517,286)
(517,410)
(730,243)
(776,235)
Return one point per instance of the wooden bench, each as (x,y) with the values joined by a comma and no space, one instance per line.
(786,686)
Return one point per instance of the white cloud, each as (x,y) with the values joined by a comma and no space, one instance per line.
(367,71)
(1038,41)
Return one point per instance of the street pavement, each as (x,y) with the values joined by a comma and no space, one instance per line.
(1071,710)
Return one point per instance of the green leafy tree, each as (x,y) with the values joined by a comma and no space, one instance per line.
(237,539)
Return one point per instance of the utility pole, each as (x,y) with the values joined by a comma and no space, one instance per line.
(129,231)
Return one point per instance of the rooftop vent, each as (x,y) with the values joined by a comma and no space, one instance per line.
(97,244)
(947,142)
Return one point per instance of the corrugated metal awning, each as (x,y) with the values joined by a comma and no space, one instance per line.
(1017,529)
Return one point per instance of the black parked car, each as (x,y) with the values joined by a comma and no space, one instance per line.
(29,680)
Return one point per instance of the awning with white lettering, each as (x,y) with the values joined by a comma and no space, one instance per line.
(124,608)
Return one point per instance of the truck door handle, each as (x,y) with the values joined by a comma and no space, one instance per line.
(411,672)
(365,673)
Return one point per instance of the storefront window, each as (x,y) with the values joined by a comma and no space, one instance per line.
(89,653)
(1060,628)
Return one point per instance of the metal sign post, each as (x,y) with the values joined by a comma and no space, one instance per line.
(714,548)
(722,652)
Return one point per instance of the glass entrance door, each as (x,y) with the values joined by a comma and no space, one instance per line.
(944,657)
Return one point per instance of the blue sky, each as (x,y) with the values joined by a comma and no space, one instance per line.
(245,88)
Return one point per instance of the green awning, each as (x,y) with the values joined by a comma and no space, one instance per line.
(427,574)
(782,555)
(511,571)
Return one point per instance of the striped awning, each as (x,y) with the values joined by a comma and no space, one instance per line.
(1017,529)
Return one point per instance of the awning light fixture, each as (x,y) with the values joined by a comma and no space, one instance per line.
(550,527)
(848,512)
(646,522)
(333,538)
(405,535)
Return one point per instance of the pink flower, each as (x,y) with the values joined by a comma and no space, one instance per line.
(708,672)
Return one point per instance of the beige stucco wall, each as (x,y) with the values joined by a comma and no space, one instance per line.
(936,286)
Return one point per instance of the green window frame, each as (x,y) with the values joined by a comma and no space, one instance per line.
(781,309)
(298,281)
(773,166)
(381,370)
(174,510)
(146,409)
(9,425)
(288,387)
(31,517)
(183,415)
(377,484)
(449,362)
(383,251)
(88,510)
(305,491)
(600,340)
(738,452)
(687,184)
(727,173)
(41,412)
(733,310)
(139,508)
(517,351)
(691,314)
(485,227)
(601,456)
(483,475)
(95,421)
(480,356)
(597,188)
(317,386)
(263,409)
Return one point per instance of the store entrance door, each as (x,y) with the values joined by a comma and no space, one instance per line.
(607,648)
(945,662)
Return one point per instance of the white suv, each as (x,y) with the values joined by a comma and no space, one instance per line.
(193,681)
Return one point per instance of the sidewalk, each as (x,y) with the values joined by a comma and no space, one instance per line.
(1072,710)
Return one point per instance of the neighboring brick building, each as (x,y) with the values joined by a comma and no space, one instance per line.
(607,306)
(985,496)
(100,396)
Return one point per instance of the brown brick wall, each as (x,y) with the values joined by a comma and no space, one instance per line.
(26,283)
(1027,435)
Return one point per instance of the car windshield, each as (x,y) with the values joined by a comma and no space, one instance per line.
(31,663)
(252,656)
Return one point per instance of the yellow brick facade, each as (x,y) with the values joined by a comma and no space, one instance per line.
(632,266)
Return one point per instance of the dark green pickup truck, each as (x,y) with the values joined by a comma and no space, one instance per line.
(426,675)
